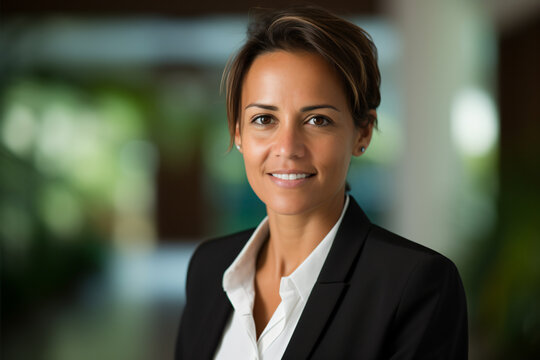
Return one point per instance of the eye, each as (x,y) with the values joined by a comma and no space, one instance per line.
(263,120)
(319,121)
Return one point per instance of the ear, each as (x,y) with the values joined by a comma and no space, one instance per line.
(238,137)
(363,135)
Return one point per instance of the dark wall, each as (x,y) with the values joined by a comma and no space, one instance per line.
(167,7)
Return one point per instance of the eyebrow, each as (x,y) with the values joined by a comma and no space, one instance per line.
(322,106)
(263,106)
(304,109)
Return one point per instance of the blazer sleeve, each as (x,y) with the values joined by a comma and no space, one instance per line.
(431,318)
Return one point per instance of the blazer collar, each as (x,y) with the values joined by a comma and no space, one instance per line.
(331,283)
(348,242)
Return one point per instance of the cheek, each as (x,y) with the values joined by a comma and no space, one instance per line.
(336,170)
(254,153)
(334,156)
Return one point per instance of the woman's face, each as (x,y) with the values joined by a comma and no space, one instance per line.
(296,132)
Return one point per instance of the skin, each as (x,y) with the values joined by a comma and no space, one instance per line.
(294,116)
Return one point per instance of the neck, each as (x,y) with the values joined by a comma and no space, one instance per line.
(294,237)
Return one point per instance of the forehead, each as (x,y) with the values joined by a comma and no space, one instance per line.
(292,77)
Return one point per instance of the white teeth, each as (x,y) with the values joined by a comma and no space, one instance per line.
(290,176)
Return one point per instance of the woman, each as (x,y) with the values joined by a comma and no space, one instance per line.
(315,279)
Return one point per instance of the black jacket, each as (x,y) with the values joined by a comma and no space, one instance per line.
(378,296)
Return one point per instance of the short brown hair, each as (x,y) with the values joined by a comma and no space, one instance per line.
(347,47)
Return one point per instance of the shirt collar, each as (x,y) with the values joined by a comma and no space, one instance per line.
(305,275)
(240,274)
(243,267)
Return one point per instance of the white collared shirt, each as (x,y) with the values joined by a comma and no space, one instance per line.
(239,339)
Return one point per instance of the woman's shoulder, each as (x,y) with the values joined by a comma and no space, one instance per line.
(403,255)
(391,241)
(218,253)
(382,247)
(223,245)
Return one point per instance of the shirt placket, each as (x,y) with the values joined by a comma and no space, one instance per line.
(278,321)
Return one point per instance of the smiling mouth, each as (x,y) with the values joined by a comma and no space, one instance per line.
(292,176)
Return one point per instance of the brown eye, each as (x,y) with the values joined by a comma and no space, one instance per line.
(319,121)
(263,120)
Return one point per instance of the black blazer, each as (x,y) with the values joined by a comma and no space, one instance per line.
(378,296)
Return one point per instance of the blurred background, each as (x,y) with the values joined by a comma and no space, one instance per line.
(114,162)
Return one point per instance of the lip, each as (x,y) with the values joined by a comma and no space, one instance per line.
(290,183)
(293,171)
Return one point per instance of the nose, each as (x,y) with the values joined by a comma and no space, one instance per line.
(289,142)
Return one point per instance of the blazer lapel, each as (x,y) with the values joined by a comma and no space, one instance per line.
(213,323)
(212,327)
(331,283)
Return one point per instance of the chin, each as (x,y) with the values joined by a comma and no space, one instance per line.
(288,205)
